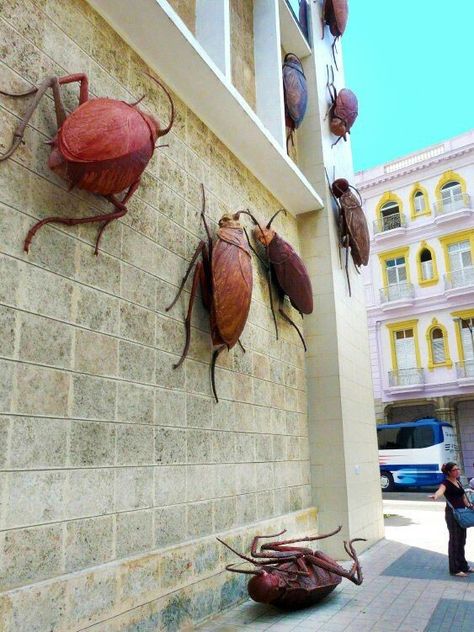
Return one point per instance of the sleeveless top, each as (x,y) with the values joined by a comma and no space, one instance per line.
(454,494)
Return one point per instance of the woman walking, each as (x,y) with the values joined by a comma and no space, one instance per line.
(453,491)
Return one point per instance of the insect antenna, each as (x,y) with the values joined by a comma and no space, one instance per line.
(273,217)
(137,102)
(358,193)
(172,114)
(256,571)
(334,51)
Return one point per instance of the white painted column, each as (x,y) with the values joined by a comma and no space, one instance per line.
(268,71)
(341,416)
(213,31)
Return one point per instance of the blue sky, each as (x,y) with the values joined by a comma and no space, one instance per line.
(411,64)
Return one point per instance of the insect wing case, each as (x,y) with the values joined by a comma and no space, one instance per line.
(357,228)
(346,107)
(231,284)
(335,14)
(295,89)
(114,135)
(291,274)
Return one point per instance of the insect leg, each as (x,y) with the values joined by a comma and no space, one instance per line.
(69,221)
(347,265)
(49,82)
(203,216)
(356,570)
(288,320)
(334,50)
(187,320)
(196,254)
(215,355)
(310,538)
(272,307)
(241,346)
(127,196)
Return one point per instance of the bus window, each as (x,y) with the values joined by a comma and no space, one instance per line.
(423,437)
(387,438)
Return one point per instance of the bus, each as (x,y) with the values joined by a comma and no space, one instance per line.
(412,453)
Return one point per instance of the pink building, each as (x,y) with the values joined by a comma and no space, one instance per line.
(420,286)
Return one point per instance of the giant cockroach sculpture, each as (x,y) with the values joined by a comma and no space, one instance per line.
(103,146)
(334,13)
(225,278)
(288,272)
(352,224)
(343,110)
(293,577)
(295,92)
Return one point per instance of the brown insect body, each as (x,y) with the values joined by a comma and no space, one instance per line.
(103,147)
(343,110)
(225,277)
(292,577)
(335,14)
(353,229)
(295,92)
(288,272)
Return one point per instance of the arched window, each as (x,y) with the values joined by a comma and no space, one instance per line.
(390,214)
(438,351)
(426,263)
(426,260)
(451,196)
(420,203)
(437,346)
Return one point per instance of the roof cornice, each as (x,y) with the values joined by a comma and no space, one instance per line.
(421,166)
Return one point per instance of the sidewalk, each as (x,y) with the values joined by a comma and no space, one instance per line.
(407,587)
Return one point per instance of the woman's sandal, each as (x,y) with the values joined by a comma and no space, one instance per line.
(461,574)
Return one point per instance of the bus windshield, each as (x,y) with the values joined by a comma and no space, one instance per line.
(405,438)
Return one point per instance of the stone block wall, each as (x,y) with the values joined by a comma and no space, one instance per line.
(108,456)
(186,9)
(242,55)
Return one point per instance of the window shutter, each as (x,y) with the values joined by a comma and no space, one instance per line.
(438,350)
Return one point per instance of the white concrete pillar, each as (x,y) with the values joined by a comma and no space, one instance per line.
(213,31)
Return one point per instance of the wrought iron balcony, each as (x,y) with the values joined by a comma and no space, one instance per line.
(465,369)
(406,377)
(397,292)
(457,202)
(459,278)
(383,224)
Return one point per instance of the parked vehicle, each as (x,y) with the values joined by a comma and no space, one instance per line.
(412,453)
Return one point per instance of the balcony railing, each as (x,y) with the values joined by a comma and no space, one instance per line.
(459,278)
(406,377)
(458,201)
(383,224)
(465,369)
(397,292)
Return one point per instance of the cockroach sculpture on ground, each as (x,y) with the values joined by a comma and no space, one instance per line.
(295,93)
(334,13)
(225,278)
(352,224)
(343,110)
(103,146)
(294,577)
(288,272)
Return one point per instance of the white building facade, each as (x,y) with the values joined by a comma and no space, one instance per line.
(420,286)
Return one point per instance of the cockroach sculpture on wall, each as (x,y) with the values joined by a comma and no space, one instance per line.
(292,577)
(287,271)
(225,277)
(352,224)
(103,146)
(334,13)
(295,93)
(343,110)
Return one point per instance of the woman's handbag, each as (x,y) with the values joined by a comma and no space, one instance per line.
(464,517)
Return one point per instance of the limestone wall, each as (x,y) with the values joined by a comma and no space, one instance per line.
(242,43)
(110,457)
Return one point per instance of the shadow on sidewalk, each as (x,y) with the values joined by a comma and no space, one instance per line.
(419,563)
